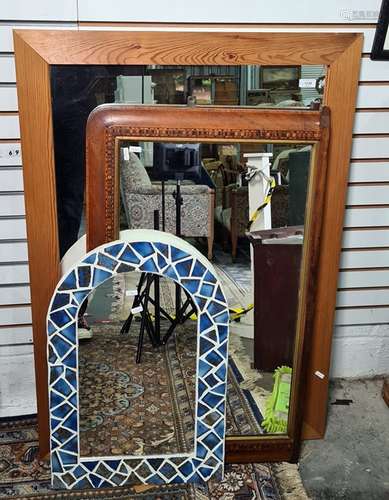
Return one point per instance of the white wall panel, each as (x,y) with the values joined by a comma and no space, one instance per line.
(373,71)
(15,335)
(245,11)
(8,99)
(365,238)
(12,205)
(17,315)
(359,279)
(370,147)
(17,387)
(369,171)
(368,195)
(360,351)
(371,122)
(357,259)
(13,229)
(373,96)
(39,10)
(14,273)
(354,298)
(363,316)
(14,295)
(13,160)
(366,217)
(6,35)
(15,251)
(9,127)
(7,69)
(11,179)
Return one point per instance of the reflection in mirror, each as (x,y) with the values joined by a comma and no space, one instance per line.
(242,205)
(77,90)
(136,397)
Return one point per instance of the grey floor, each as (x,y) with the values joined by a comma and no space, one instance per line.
(352,462)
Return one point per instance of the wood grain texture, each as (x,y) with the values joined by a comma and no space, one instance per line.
(123,47)
(340,96)
(36,50)
(109,122)
(34,98)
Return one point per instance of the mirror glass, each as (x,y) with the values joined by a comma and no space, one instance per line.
(208,193)
(136,397)
(221,187)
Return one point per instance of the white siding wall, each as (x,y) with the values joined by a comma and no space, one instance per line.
(361,339)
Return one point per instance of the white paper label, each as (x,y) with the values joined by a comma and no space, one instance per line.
(131,293)
(307,83)
(137,310)
(320,374)
(135,149)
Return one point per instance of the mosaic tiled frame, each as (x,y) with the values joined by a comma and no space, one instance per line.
(192,271)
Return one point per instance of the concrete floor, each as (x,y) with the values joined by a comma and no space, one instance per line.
(352,462)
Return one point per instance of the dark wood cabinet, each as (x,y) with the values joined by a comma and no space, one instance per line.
(277,262)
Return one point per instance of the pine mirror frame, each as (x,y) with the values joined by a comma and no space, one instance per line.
(37,50)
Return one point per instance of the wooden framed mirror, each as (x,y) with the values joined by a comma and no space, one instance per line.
(117,130)
(37,55)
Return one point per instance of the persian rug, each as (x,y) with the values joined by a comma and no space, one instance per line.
(23,476)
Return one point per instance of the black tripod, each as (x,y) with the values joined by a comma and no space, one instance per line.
(144,297)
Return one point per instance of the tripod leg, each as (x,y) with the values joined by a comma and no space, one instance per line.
(127,324)
(143,324)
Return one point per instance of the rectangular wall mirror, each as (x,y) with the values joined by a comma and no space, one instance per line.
(63,75)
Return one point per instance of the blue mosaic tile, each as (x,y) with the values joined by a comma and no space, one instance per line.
(174,263)
(84,276)
(177,254)
(69,283)
(60,318)
(129,256)
(114,250)
(60,300)
(143,248)
(100,275)
(206,290)
(105,261)
(222,318)
(60,345)
(183,268)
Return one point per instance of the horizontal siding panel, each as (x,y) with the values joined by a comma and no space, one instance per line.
(355,259)
(13,229)
(10,295)
(354,298)
(368,195)
(13,252)
(360,279)
(39,10)
(368,238)
(373,96)
(14,160)
(14,273)
(373,71)
(371,122)
(17,315)
(369,172)
(6,36)
(364,316)
(219,11)
(9,127)
(370,147)
(17,385)
(11,179)
(366,217)
(11,205)
(15,335)
(8,99)
(7,69)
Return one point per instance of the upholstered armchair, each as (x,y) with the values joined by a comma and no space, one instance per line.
(141,198)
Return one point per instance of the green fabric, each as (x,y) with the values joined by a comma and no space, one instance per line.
(277,404)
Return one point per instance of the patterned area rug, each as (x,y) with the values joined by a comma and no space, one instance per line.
(23,476)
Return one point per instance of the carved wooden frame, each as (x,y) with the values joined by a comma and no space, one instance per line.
(37,50)
(109,124)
